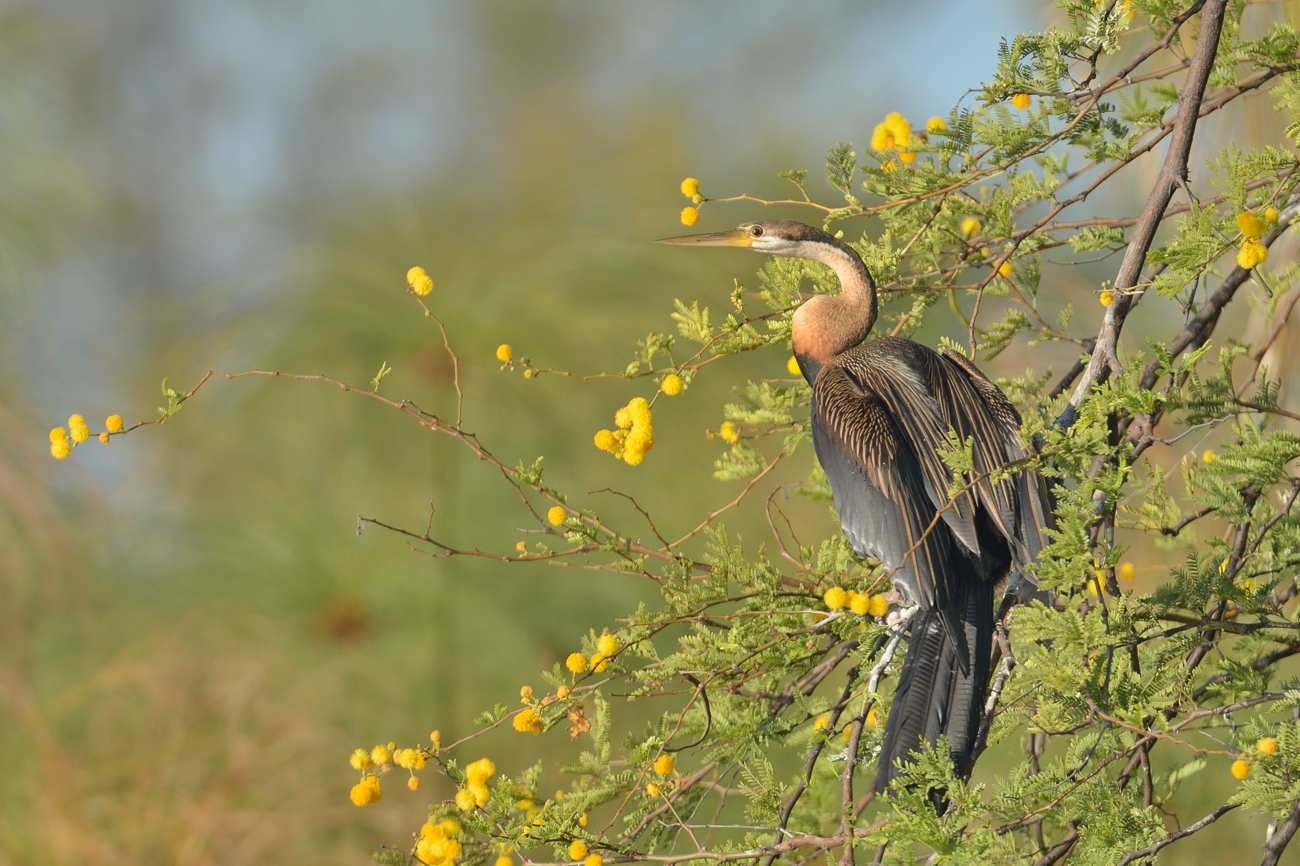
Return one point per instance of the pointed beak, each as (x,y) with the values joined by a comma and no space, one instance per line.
(732,238)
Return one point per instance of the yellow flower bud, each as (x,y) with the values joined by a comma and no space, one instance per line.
(526,693)
(562,692)
(413,783)
(582,820)
(505,352)
(1107,297)
(435,737)
(690,216)
(103,437)
(556,515)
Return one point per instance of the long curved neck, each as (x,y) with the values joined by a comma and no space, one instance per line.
(826,325)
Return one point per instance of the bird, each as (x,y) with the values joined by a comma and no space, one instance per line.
(882,413)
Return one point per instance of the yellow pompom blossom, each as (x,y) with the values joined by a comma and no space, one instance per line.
(420,282)
(412,759)
(690,216)
(599,663)
(859,603)
(527,722)
(449,826)
(60,449)
(530,373)
(936,125)
(729,433)
(58,434)
(576,663)
(652,789)
(1126,571)
(413,783)
(114,424)
(607,644)
(690,187)
(671,385)
(368,790)
(556,515)
(380,754)
(893,133)
(635,433)
(1271,214)
(969,226)
(503,860)
(1107,297)
(1004,270)
(792,365)
(582,820)
(593,860)
(360,759)
(77,429)
(505,352)
(1251,225)
(1020,100)
(873,717)
(480,771)
(820,723)
(835,598)
(907,158)
(1209,457)
(1240,769)
(525,694)
(1251,254)
(1266,746)
(577,849)
(464,800)
(664,764)
(879,606)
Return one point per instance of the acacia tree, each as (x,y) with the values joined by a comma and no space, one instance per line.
(762,662)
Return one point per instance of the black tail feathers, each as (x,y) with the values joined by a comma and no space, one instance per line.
(936,693)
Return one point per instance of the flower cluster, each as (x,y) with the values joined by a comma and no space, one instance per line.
(475,792)
(62,441)
(837,598)
(437,843)
(634,436)
(691,189)
(606,646)
(420,282)
(891,134)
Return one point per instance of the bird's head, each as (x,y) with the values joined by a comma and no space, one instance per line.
(775,237)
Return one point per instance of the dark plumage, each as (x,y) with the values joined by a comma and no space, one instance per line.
(882,412)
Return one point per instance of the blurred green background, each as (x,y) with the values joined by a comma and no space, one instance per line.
(192,634)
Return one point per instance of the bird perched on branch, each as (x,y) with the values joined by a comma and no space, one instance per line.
(882,413)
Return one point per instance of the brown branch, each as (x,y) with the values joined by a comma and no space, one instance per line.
(1200,825)
(1277,842)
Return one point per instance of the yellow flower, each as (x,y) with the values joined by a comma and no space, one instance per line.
(464,800)
(879,606)
(114,423)
(1240,769)
(556,515)
(889,167)
(380,754)
(503,860)
(969,227)
(607,644)
(505,352)
(728,432)
(444,850)
(690,216)
(576,662)
(671,385)
(1126,571)
(873,717)
(480,793)
(1266,746)
(1271,214)
(420,282)
(103,437)
(449,826)
(1251,254)
(936,124)
(480,771)
(1251,226)
(58,434)
(605,440)
(360,759)
(690,187)
(599,663)
(1208,457)
(1004,270)
(413,783)
(577,849)
(639,410)
(594,860)
(623,418)
(1107,297)
(1020,100)
(821,722)
(77,429)
(526,693)
(527,721)
(907,158)
(859,603)
(529,373)
(835,598)
(652,789)
(881,138)
(582,820)
(367,791)
(431,831)
(562,692)
(664,764)
(792,365)
(898,127)
(60,449)
(435,737)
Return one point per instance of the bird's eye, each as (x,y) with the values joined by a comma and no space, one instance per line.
(756,231)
